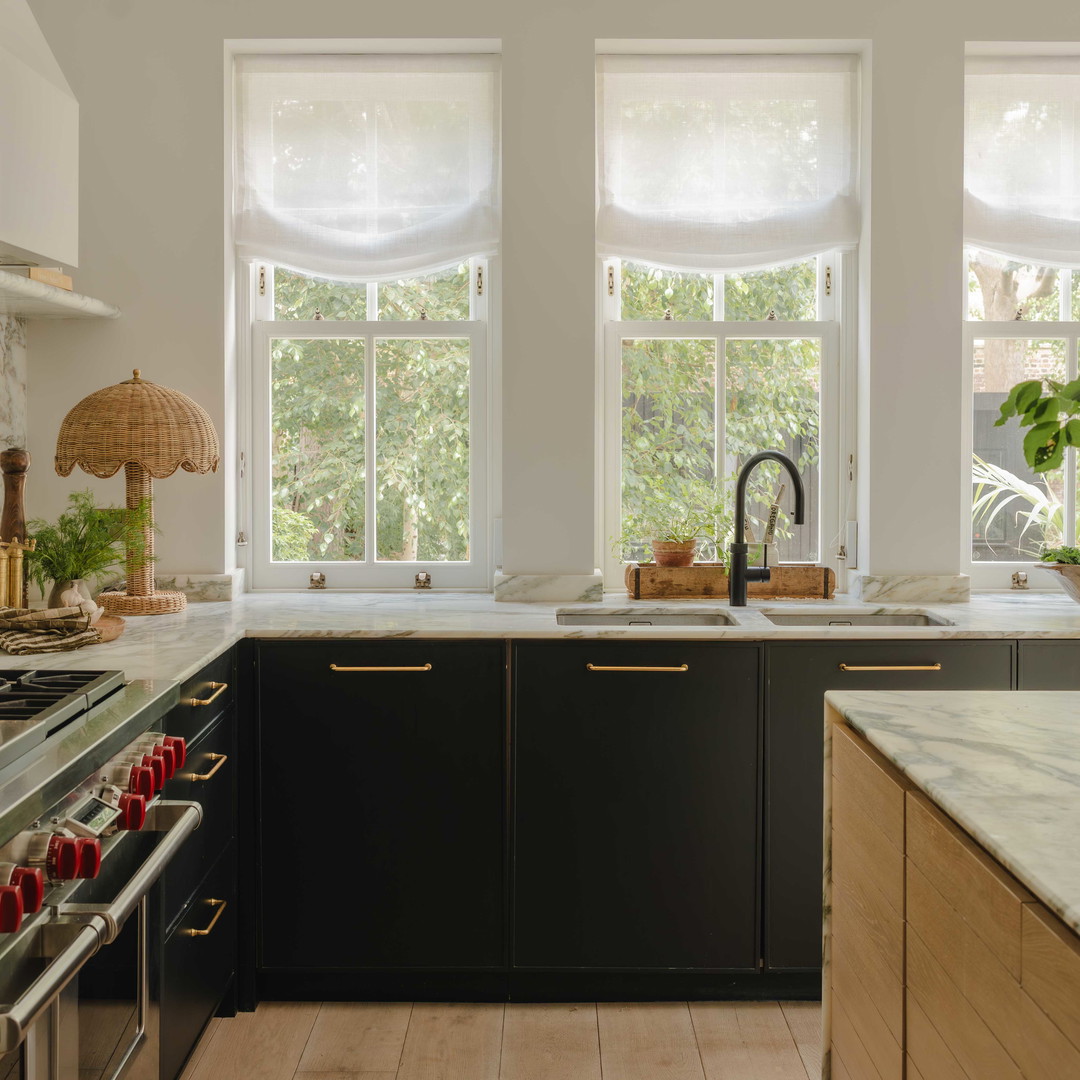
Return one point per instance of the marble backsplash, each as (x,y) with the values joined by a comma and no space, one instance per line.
(12,382)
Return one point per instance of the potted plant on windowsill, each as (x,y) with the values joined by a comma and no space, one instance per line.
(1053,418)
(82,546)
(672,531)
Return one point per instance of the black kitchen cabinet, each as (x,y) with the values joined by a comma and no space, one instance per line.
(1048,665)
(797,676)
(635,806)
(380,808)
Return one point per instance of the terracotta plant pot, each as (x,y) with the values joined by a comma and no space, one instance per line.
(673,553)
(1070,576)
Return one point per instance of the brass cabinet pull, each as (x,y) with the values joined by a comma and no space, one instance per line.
(221,905)
(601,667)
(218,759)
(889,667)
(422,667)
(219,688)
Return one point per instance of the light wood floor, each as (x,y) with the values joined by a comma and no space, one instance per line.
(664,1041)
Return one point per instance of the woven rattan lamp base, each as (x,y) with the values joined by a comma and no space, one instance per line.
(157,603)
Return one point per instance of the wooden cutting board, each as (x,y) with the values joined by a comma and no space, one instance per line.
(703,581)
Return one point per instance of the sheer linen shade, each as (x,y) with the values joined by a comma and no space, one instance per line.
(726,162)
(150,431)
(1022,158)
(367,167)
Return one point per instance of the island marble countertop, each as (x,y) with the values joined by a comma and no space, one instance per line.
(174,647)
(1005,765)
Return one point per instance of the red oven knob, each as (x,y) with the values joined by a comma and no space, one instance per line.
(31,883)
(168,756)
(132,812)
(179,746)
(11,909)
(141,782)
(62,858)
(88,854)
(155,765)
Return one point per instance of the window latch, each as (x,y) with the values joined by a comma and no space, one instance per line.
(611,281)
(262,280)
(479,281)
(828,281)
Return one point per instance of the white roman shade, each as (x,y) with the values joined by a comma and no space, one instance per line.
(367,166)
(726,162)
(1022,157)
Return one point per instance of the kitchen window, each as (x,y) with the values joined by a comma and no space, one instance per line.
(1022,314)
(727,225)
(366,223)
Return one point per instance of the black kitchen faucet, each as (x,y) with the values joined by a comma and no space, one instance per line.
(738,572)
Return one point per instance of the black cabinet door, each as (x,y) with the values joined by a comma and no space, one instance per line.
(1048,665)
(198,963)
(797,677)
(635,797)
(388,788)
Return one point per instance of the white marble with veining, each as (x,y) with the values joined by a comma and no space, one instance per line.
(1005,765)
(175,646)
(912,588)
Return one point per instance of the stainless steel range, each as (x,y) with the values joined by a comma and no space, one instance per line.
(84,836)
(37,704)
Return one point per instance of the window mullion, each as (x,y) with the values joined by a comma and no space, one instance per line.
(720,450)
(371,301)
(370,534)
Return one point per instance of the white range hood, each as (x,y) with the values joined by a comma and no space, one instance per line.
(39,145)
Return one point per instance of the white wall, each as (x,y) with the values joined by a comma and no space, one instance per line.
(148,78)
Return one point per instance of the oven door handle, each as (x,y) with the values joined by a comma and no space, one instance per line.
(15,1019)
(176,821)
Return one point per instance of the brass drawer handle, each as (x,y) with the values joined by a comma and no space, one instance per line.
(221,905)
(218,759)
(889,667)
(601,667)
(219,688)
(422,667)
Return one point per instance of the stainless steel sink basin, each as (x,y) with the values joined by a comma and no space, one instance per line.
(644,618)
(855,618)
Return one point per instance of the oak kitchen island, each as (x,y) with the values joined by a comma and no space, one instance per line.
(952,885)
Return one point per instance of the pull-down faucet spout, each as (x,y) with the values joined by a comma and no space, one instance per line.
(738,572)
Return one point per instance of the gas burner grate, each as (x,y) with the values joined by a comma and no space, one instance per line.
(35,704)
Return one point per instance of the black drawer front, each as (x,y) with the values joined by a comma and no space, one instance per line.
(189,720)
(216,796)
(1049,665)
(197,968)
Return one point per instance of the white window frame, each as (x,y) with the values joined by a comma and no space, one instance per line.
(255,436)
(836,437)
(997,575)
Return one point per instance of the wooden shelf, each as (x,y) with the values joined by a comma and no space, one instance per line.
(32,300)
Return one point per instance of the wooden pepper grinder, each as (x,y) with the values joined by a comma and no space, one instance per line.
(14,463)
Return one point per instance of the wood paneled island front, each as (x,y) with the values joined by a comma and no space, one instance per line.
(952,886)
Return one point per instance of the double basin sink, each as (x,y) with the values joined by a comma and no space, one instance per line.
(776,616)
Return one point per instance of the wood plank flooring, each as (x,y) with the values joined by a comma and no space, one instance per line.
(715,1040)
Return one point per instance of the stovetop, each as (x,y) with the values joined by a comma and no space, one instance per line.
(35,704)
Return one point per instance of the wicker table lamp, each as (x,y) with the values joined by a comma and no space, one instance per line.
(150,431)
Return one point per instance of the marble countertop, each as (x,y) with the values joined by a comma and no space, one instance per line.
(1005,765)
(174,647)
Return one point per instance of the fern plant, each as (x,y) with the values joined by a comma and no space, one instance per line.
(85,542)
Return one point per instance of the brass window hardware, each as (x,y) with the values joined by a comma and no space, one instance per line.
(317,581)
(262,280)
(889,667)
(479,281)
(219,688)
(600,667)
(828,281)
(611,281)
(422,580)
(221,905)
(421,667)
(218,760)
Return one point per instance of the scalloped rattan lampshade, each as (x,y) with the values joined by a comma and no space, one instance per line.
(150,431)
